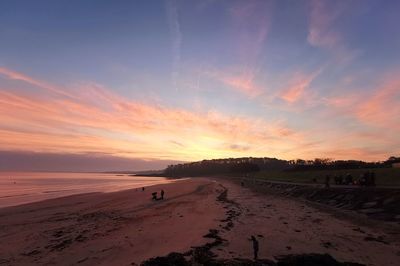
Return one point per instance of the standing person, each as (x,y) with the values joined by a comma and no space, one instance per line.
(372,175)
(162,194)
(142,188)
(255,247)
(327,180)
(349,179)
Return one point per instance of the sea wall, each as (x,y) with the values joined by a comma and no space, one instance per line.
(377,203)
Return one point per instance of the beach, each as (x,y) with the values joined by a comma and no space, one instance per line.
(18,188)
(128,228)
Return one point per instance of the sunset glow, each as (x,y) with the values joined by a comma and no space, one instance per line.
(202,80)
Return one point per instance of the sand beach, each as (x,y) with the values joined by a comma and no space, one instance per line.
(128,228)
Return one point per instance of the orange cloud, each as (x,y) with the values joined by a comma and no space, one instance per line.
(294,92)
(241,81)
(383,106)
(243,84)
(38,83)
(297,86)
(379,107)
(97,120)
(373,119)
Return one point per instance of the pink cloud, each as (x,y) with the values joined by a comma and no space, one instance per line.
(383,106)
(350,153)
(377,107)
(242,83)
(239,81)
(250,26)
(296,89)
(323,32)
(374,117)
(97,120)
(10,74)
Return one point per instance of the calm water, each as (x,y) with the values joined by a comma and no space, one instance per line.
(20,188)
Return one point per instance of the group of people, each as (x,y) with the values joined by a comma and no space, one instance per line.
(343,180)
(365,179)
(154,195)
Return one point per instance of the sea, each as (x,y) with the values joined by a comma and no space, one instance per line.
(26,187)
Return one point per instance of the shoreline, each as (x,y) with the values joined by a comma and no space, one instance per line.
(201,219)
(26,188)
(103,228)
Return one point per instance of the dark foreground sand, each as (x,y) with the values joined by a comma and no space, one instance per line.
(125,228)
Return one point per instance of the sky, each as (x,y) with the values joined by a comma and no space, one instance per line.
(149,83)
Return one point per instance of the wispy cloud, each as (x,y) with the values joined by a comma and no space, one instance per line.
(250,26)
(379,106)
(240,81)
(10,74)
(297,86)
(98,120)
(373,115)
(383,106)
(176,35)
(323,32)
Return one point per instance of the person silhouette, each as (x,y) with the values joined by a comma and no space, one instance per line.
(327,180)
(154,196)
(162,194)
(255,247)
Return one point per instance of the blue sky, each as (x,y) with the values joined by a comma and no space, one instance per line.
(296,78)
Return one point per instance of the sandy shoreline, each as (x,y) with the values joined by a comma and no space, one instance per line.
(109,228)
(126,227)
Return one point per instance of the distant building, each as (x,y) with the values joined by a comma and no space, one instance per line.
(396,165)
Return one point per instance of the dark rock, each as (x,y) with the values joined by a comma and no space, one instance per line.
(172,259)
(370,204)
(327,244)
(376,239)
(213,233)
(371,211)
(389,201)
(311,260)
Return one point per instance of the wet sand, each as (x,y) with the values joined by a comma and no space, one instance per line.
(117,228)
(126,227)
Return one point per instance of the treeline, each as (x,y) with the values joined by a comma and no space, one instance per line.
(250,164)
(222,166)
